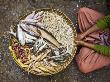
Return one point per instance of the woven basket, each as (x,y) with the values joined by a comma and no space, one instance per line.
(59,67)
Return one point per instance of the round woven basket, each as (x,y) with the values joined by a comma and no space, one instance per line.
(59,67)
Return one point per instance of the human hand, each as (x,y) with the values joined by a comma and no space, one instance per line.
(80,36)
(78,41)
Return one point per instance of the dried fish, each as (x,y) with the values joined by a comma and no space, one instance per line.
(43,55)
(44,34)
(29,38)
(59,55)
(52,63)
(29,21)
(30,29)
(49,37)
(33,18)
(45,61)
(20,36)
(30,16)
(42,47)
(48,51)
(40,25)
(38,14)
(39,45)
(39,18)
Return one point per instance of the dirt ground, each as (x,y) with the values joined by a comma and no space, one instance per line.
(11,10)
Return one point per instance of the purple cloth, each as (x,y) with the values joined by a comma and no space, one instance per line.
(104,38)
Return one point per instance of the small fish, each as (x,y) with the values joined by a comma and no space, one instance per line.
(43,55)
(45,62)
(29,21)
(29,38)
(56,52)
(49,37)
(41,13)
(40,25)
(20,35)
(33,18)
(38,14)
(39,43)
(33,31)
(39,18)
(42,47)
(52,63)
(33,57)
(30,16)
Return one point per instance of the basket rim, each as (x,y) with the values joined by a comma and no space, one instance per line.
(68,21)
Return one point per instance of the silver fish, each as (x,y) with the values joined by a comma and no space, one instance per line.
(30,29)
(39,18)
(38,14)
(49,37)
(29,21)
(33,18)
(40,25)
(30,16)
(29,38)
(41,13)
(20,35)
(39,45)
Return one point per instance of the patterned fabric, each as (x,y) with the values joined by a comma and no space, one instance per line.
(104,39)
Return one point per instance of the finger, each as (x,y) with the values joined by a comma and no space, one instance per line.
(85,39)
(77,42)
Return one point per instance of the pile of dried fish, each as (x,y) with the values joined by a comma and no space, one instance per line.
(45,52)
